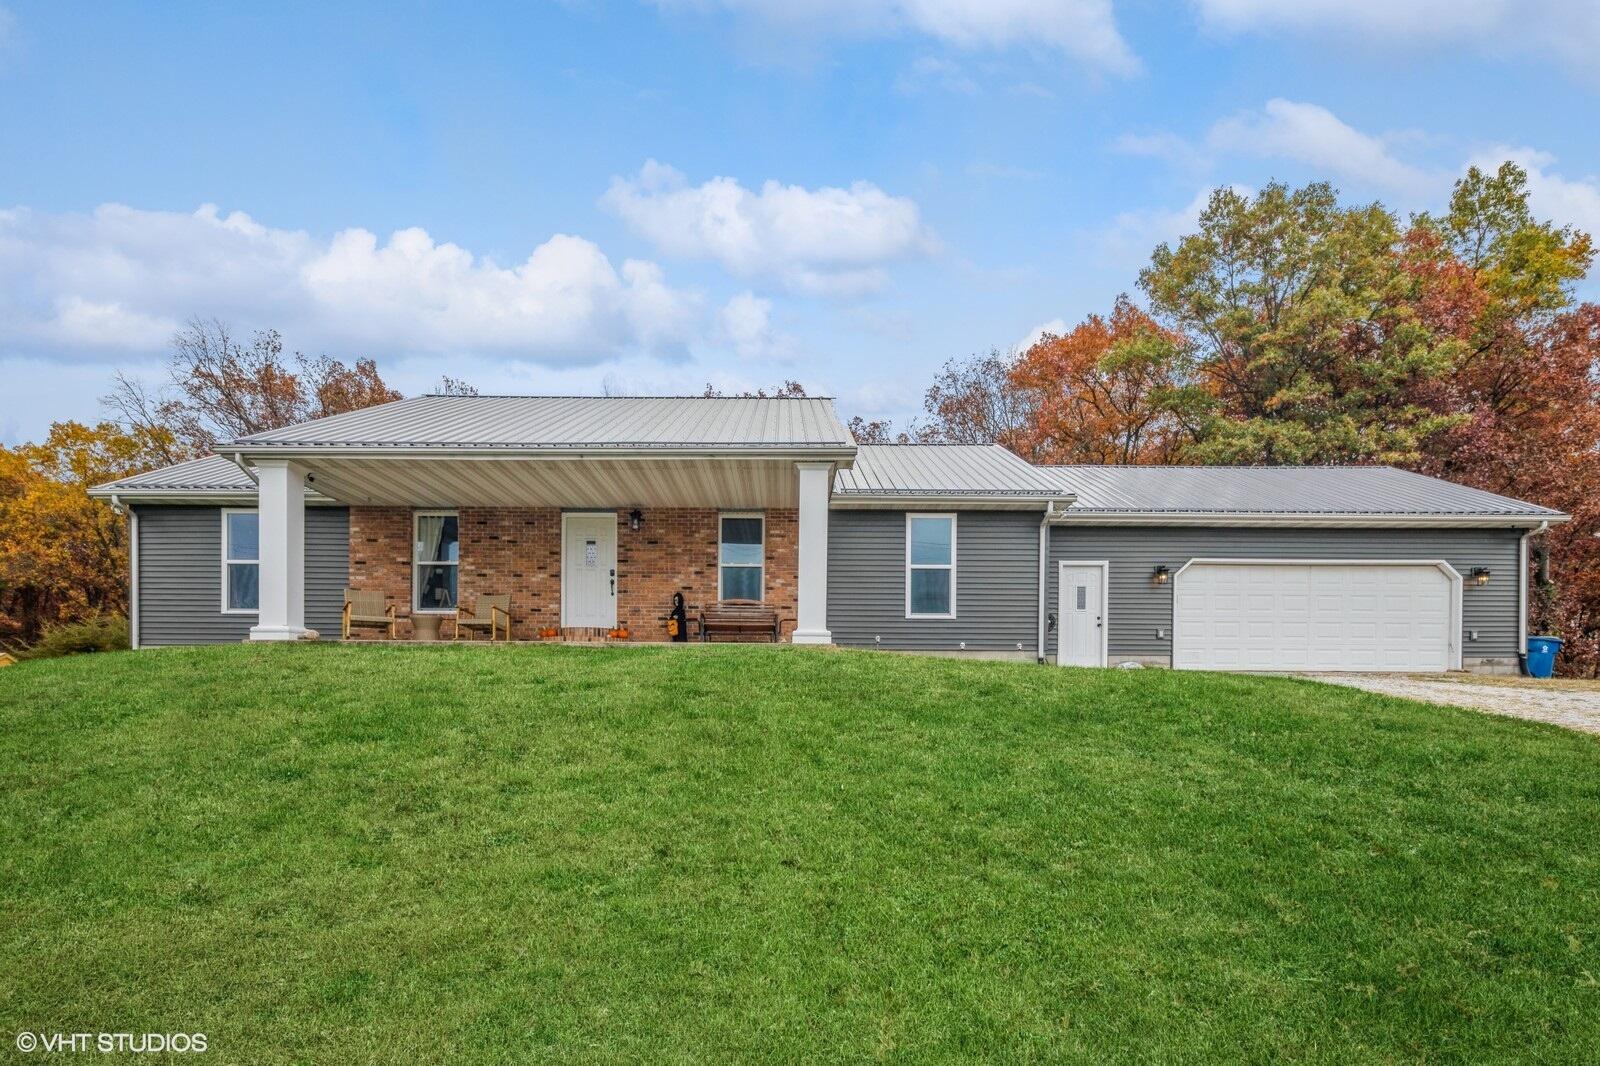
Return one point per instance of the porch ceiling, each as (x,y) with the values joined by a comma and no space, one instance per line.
(425,481)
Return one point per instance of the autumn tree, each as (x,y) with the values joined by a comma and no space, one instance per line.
(220,388)
(789,390)
(1307,345)
(62,554)
(1525,384)
(449,386)
(1109,390)
(977,401)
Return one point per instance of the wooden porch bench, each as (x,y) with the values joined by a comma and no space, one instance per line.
(738,620)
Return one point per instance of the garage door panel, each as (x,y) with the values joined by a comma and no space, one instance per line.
(1345,616)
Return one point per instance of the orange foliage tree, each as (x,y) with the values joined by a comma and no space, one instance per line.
(1526,385)
(63,555)
(1107,391)
(220,388)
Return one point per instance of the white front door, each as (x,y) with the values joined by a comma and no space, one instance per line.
(589,570)
(1082,615)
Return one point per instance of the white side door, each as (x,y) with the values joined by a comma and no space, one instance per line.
(1082,615)
(589,571)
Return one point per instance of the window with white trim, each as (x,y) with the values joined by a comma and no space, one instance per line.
(930,566)
(741,557)
(435,559)
(241,561)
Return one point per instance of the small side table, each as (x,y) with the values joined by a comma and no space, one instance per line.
(425,627)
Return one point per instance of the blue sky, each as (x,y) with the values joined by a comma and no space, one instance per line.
(646,197)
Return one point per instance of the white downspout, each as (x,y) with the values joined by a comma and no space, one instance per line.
(1044,566)
(238,461)
(118,507)
(1044,571)
(1522,586)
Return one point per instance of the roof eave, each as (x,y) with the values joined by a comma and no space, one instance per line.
(1304,519)
(1012,501)
(836,452)
(241,494)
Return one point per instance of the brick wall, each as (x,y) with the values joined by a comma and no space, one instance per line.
(514,550)
(517,550)
(380,558)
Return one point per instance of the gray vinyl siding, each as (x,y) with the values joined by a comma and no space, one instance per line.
(1139,607)
(180,575)
(997,562)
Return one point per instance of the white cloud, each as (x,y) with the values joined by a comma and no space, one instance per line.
(1568,28)
(1083,29)
(1302,133)
(1162,145)
(815,241)
(1055,327)
(121,278)
(1307,133)
(931,70)
(745,325)
(1564,201)
(1133,235)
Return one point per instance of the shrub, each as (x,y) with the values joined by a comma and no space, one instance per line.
(107,632)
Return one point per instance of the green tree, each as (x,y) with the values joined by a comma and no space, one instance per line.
(1305,341)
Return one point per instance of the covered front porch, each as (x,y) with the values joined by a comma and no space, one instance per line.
(582,548)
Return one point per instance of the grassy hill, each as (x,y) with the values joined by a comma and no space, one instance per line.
(367,853)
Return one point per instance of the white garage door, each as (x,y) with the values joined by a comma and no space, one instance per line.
(1328,616)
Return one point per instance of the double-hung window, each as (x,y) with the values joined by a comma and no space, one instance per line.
(741,557)
(241,561)
(930,566)
(435,558)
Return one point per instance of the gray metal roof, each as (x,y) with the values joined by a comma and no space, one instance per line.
(210,474)
(1287,490)
(943,470)
(573,422)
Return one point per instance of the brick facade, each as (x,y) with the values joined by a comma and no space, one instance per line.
(380,557)
(517,550)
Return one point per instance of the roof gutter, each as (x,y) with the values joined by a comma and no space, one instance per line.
(241,494)
(1304,518)
(843,454)
(1019,501)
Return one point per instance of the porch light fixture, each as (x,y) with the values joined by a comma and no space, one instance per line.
(635,519)
(1480,575)
(1163,575)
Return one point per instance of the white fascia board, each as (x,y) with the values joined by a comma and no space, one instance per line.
(856,501)
(842,455)
(1301,519)
(216,497)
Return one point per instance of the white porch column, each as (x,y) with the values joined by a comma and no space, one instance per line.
(282,488)
(816,485)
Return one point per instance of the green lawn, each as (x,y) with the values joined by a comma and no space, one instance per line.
(374,854)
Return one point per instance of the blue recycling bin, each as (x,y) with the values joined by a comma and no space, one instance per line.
(1542,655)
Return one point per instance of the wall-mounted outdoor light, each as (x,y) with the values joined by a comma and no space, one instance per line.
(1480,575)
(1163,575)
(635,519)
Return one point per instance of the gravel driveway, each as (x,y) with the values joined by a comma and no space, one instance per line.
(1517,698)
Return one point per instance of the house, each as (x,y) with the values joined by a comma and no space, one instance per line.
(592,511)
